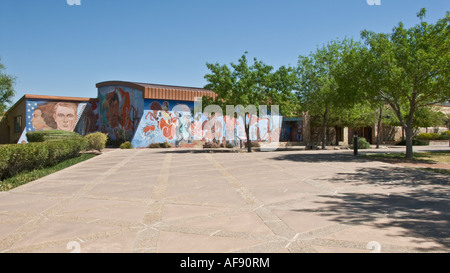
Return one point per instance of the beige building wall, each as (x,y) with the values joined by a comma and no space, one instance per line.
(9,133)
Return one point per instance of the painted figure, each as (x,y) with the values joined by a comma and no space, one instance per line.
(43,117)
(65,115)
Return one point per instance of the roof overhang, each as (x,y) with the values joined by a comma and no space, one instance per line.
(162,92)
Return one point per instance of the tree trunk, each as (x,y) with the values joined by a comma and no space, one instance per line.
(325,124)
(379,127)
(409,142)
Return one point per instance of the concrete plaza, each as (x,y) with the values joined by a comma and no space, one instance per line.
(181,201)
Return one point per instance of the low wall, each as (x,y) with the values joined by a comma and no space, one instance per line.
(440,143)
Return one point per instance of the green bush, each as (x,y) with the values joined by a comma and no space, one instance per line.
(165,145)
(126,145)
(435,136)
(416,142)
(96,141)
(60,150)
(254,144)
(20,157)
(41,136)
(362,144)
(160,145)
(229,146)
(431,136)
(445,135)
(16,158)
(211,145)
(424,136)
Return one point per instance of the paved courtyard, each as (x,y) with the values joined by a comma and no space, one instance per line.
(292,201)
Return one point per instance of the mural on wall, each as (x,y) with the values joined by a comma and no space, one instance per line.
(175,123)
(165,122)
(51,115)
(88,122)
(121,111)
(292,129)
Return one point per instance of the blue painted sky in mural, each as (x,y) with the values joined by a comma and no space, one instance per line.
(56,49)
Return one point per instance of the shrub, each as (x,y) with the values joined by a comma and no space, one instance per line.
(229,145)
(155,145)
(431,136)
(160,145)
(165,145)
(445,135)
(435,136)
(363,144)
(126,145)
(416,142)
(16,158)
(211,145)
(41,136)
(424,136)
(60,150)
(96,141)
(254,144)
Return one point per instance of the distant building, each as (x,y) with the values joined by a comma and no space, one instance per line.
(141,113)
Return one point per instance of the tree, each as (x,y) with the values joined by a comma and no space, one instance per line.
(428,117)
(406,69)
(317,72)
(256,84)
(6,88)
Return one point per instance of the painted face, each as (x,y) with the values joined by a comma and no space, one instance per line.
(65,118)
(38,121)
(113,114)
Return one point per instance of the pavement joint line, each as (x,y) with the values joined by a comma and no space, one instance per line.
(215,232)
(281,228)
(62,243)
(292,240)
(155,205)
(38,220)
(304,242)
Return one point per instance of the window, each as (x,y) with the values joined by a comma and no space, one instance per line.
(18,124)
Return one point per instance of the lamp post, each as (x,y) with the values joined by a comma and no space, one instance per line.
(355,143)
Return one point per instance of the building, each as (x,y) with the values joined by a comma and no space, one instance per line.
(36,112)
(141,113)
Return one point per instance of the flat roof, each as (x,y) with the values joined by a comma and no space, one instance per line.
(45,97)
(161,91)
(60,98)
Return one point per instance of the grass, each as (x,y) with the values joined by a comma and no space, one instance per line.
(424,157)
(440,171)
(26,177)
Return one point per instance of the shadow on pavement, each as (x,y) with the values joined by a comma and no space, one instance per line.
(322,157)
(422,211)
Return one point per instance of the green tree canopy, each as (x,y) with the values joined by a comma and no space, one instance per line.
(6,88)
(407,69)
(318,92)
(254,84)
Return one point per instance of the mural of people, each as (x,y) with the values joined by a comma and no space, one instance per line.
(111,106)
(65,115)
(121,110)
(88,122)
(52,115)
(43,117)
